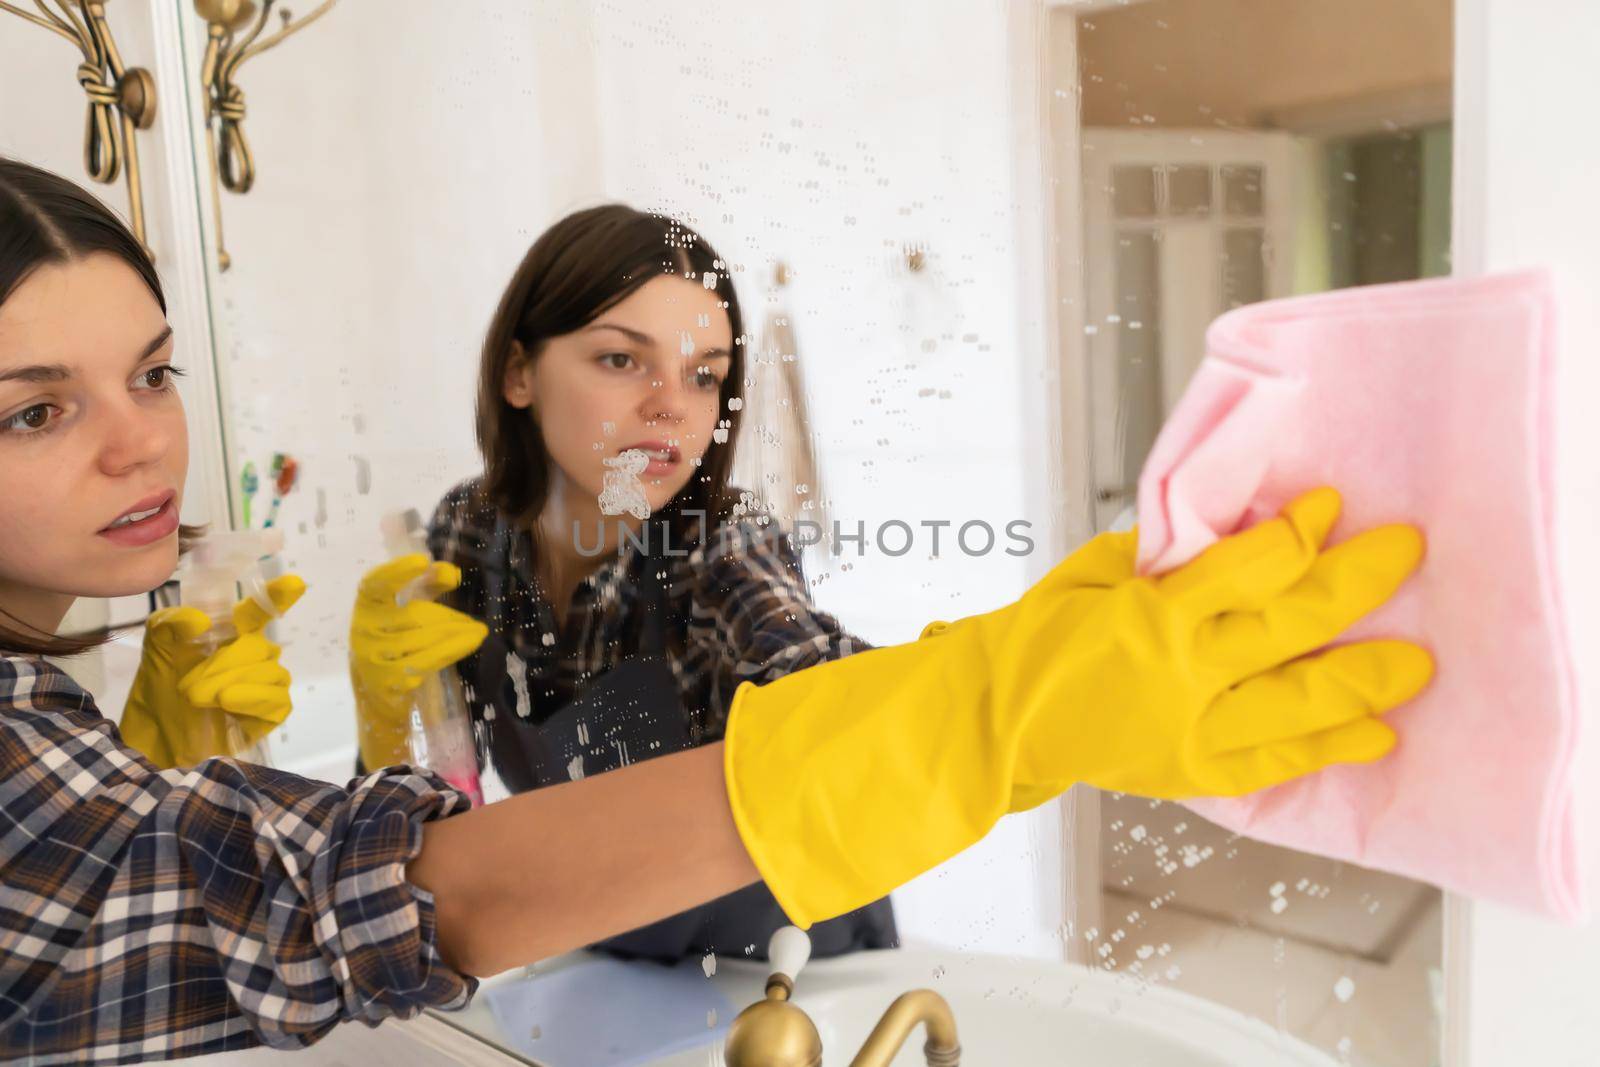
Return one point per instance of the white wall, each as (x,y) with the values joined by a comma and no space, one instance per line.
(1524,990)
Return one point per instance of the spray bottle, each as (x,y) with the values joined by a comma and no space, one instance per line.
(441,727)
(213,570)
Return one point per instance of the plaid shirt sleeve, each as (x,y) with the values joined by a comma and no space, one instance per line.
(152,914)
(752,605)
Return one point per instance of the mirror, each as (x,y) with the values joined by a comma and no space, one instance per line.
(975,248)
(881,225)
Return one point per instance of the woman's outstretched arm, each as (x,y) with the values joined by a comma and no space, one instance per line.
(554,869)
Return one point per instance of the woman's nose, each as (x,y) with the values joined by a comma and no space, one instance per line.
(134,437)
(664,401)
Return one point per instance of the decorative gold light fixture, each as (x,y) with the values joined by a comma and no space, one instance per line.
(121,99)
(233,36)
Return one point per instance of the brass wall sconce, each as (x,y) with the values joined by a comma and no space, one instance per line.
(122,99)
(233,35)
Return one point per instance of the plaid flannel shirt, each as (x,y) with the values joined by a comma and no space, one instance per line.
(152,914)
(737,610)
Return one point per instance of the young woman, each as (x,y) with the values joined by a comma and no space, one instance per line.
(619,626)
(155,913)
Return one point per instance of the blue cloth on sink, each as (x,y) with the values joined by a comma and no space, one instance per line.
(603,1012)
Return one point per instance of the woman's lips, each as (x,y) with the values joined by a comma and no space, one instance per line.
(664,459)
(147,530)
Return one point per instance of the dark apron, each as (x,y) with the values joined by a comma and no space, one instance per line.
(633,712)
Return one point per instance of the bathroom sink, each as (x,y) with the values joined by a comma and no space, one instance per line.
(583,1011)
(1009,1013)
(1017,1012)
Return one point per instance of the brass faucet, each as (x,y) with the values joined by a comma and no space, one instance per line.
(918,1006)
(773,1032)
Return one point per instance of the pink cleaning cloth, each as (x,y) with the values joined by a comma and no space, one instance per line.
(1431,403)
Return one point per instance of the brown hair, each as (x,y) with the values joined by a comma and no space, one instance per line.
(579,268)
(45,219)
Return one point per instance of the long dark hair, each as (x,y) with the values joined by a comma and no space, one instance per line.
(44,220)
(585,264)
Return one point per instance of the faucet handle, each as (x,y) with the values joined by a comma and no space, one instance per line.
(789,951)
(773,1032)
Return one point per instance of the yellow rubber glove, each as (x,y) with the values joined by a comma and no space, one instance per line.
(178,709)
(393,647)
(852,777)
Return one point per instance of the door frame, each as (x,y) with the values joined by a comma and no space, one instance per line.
(1104,150)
